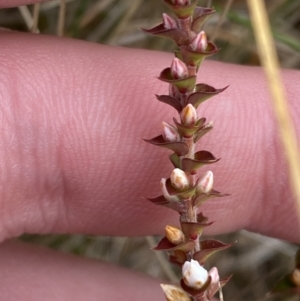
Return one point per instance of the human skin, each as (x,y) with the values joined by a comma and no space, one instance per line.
(72,159)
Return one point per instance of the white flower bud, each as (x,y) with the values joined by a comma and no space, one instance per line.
(189,115)
(170,133)
(194,275)
(199,42)
(174,293)
(174,235)
(169,22)
(206,183)
(179,69)
(214,274)
(179,179)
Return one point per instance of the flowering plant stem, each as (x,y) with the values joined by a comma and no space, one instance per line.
(184,191)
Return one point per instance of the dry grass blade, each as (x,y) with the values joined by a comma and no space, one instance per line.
(36,13)
(222,18)
(165,265)
(61,18)
(269,60)
(132,8)
(52,4)
(93,11)
(27,16)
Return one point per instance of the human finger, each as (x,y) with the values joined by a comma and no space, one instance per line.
(73,160)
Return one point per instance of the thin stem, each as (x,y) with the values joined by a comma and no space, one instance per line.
(220,292)
(185,24)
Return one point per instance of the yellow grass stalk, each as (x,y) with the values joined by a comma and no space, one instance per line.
(269,61)
(61,18)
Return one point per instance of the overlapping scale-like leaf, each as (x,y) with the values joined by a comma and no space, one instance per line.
(203,92)
(207,248)
(183,85)
(175,34)
(180,148)
(193,230)
(160,200)
(195,58)
(173,102)
(185,194)
(201,14)
(201,158)
(203,197)
(166,245)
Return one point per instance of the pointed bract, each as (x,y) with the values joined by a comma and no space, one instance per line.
(180,148)
(169,132)
(160,200)
(169,23)
(201,14)
(166,245)
(205,184)
(201,158)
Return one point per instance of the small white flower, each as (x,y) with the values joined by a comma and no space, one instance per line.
(194,275)
(179,179)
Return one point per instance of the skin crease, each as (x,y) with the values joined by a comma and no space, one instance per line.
(72,159)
